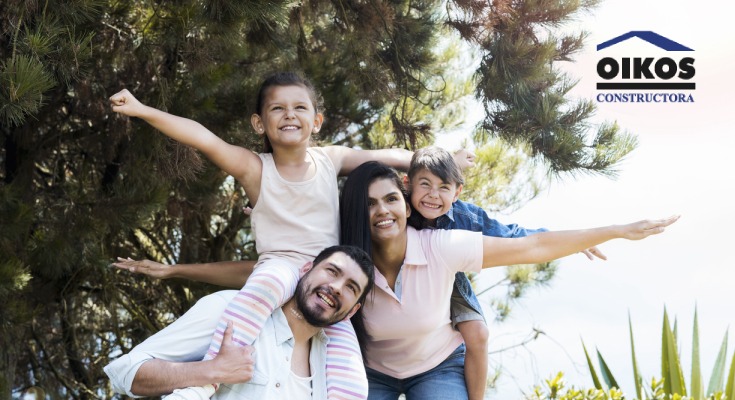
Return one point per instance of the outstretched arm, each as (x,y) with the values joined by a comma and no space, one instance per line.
(231,274)
(547,246)
(236,161)
(493,227)
(346,159)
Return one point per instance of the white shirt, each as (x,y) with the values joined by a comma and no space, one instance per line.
(187,339)
(298,387)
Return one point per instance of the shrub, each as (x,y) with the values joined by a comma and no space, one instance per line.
(671,385)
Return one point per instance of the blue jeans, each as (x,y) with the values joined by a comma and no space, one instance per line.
(445,381)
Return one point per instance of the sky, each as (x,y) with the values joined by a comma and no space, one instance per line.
(683,165)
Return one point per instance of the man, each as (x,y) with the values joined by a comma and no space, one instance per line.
(286,361)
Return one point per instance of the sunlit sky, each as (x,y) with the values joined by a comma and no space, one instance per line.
(683,165)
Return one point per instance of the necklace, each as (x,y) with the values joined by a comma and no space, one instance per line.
(295,313)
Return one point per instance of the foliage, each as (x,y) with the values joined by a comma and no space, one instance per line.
(672,384)
(80,186)
(441,107)
(525,95)
(555,389)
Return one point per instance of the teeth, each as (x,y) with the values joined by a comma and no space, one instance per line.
(290,128)
(325,299)
(431,205)
(384,223)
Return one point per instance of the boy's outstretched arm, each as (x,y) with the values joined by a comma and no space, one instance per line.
(346,159)
(236,161)
(547,246)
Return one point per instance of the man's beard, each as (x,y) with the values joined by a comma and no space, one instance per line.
(314,315)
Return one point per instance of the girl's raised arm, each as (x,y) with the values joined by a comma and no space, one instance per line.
(346,159)
(235,160)
(547,246)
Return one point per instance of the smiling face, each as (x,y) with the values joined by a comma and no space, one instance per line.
(288,116)
(431,196)
(388,210)
(329,292)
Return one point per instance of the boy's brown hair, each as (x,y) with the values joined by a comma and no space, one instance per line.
(437,161)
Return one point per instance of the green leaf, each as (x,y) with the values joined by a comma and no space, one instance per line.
(730,388)
(23,82)
(665,373)
(718,370)
(671,366)
(606,373)
(696,380)
(593,373)
(636,373)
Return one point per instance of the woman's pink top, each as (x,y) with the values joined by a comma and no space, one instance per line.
(414,334)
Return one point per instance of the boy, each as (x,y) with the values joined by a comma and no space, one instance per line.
(434,182)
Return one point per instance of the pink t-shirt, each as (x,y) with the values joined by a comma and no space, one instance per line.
(413,335)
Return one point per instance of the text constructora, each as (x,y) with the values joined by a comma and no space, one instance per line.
(645,98)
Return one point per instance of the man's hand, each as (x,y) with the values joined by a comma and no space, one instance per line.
(146,267)
(233,364)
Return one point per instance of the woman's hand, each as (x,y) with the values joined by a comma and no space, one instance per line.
(146,267)
(643,229)
(593,252)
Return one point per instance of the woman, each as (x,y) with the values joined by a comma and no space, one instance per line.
(410,345)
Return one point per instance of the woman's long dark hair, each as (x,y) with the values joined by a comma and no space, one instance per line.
(354,219)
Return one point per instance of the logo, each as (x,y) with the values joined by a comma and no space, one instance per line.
(662,73)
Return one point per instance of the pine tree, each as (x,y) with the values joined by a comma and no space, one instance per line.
(525,95)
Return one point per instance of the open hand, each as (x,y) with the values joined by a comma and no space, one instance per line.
(643,229)
(146,267)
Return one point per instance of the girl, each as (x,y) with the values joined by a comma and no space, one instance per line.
(293,189)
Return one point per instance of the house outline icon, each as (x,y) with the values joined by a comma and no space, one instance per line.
(650,37)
